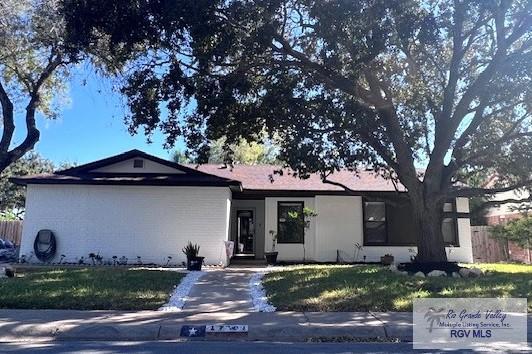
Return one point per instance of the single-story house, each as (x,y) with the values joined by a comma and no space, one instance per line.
(135,204)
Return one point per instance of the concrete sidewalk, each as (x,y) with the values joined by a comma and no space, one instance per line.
(155,325)
(16,325)
(221,291)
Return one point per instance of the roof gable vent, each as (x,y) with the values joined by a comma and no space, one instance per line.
(138,163)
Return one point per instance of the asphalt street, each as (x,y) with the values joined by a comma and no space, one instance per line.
(209,347)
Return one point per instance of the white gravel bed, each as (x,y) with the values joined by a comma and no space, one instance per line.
(258,295)
(179,295)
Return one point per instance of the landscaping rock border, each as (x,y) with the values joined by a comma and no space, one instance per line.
(464,272)
(258,294)
(179,295)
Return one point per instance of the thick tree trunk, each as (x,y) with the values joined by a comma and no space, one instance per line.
(428,216)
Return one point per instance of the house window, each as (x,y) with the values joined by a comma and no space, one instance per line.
(449,226)
(392,225)
(290,222)
(138,163)
(375,230)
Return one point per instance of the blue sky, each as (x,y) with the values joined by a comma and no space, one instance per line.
(91,126)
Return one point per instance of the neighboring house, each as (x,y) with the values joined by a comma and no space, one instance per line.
(135,204)
(503,213)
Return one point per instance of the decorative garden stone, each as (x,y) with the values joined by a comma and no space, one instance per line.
(464,272)
(475,272)
(437,273)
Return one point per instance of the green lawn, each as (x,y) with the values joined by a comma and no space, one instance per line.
(374,288)
(88,289)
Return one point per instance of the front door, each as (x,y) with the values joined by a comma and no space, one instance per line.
(245,231)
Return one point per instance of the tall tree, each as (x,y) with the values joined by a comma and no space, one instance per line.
(393,84)
(33,71)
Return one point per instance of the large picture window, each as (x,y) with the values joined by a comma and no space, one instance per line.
(391,224)
(375,231)
(290,222)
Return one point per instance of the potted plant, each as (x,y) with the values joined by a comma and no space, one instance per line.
(271,257)
(387,259)
(194,262)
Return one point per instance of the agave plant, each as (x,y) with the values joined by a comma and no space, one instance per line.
(191,250)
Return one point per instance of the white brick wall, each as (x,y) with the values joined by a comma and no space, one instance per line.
(147,221)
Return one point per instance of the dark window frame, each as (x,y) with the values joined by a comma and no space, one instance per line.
(138,163)
(297,242)
(453,215)
(366,242)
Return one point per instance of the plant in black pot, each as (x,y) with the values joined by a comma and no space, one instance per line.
(271,257)
(194,262)
(387,259)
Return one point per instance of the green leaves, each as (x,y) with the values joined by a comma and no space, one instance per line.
(518,231)
(12,196)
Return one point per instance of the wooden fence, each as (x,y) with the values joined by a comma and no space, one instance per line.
(486,248)
(11,230)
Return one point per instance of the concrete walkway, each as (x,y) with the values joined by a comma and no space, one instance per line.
(221,291)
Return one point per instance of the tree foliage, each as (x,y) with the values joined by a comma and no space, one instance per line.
(388,84)
(243,152)
(12,196)
(518,231)
(33,70)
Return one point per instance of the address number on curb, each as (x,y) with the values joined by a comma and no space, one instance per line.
(214,328)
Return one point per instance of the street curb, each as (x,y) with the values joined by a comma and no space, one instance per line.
(152,332)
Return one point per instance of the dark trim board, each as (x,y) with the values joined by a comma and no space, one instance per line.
(145,182)
(273,193)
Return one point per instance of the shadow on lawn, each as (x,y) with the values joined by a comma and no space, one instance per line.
(87,289)
(375,288)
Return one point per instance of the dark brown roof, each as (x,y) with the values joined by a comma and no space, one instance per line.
(262,177)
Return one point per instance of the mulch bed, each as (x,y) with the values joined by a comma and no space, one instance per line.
(427,267)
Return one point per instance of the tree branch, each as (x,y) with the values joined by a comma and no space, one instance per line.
(506,201)
(33,133)
(8,120)
(492,149)
(478,192)
(330,77)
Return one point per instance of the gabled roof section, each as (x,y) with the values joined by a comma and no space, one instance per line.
(99,165)
(95,172)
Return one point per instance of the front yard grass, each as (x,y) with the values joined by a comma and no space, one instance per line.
(88,289)
(375,288)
